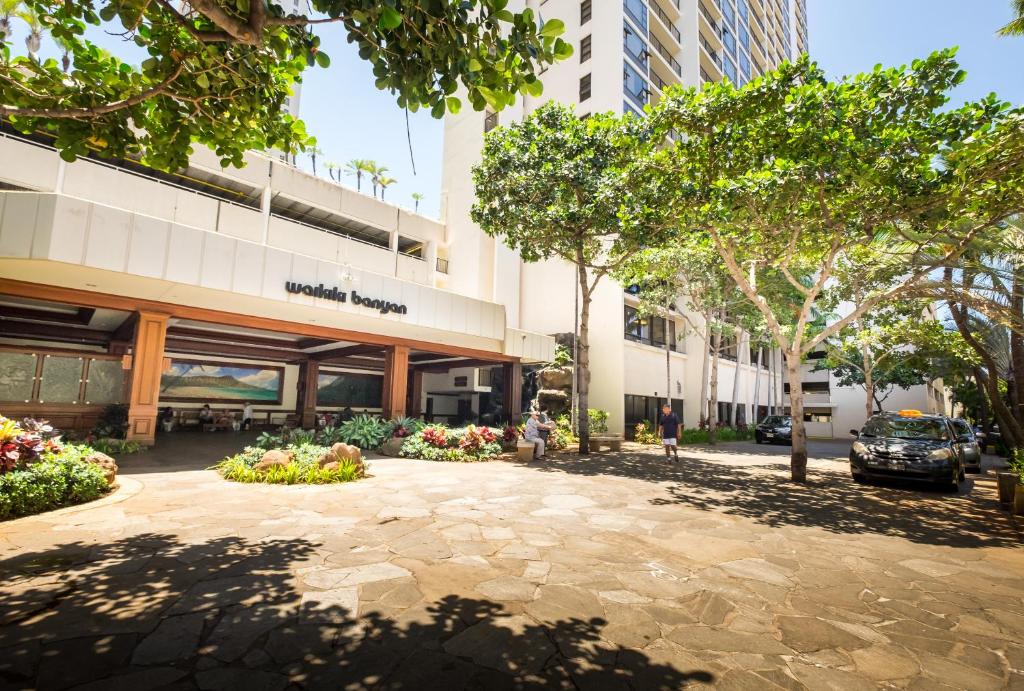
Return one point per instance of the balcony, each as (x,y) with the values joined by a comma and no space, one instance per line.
(666,55)
(716,60)
(666,21)
(711,19)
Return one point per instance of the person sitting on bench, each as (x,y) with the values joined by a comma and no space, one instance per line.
(205,416)
(532,434)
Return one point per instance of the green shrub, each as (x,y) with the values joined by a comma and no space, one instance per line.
(304,468)
(115,447)
(598,420)
(268,441)
(735,434)
(366,431)
(644,434)
(693,436)
(1016,463)
(329,436)
(462,445)
(58,479)
(561,437)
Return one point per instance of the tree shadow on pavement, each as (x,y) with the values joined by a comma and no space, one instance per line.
(830,500)
(151,611)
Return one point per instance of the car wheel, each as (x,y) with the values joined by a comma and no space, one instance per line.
(859,479)
(963,475)
(953,483)
(758,439)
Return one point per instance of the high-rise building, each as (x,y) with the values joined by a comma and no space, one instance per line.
(626,53)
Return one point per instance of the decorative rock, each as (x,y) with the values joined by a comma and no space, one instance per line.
(557,378)
(342,451)
(332,465)
(104,463)
(272,458)
(556,402)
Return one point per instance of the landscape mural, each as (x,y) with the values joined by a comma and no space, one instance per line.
(349,389)
(205,382)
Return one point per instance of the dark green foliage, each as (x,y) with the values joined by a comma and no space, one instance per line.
(57,480)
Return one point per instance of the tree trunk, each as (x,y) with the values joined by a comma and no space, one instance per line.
(798,457)
(757,388)
(1017,345)
(668,358)
(713,399)
(735,388)
(869,381)
(704,370)
(583,365)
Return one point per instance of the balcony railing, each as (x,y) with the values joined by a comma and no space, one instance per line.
(667,21)
(658,81)
(707,15)
(667,54)
(704,76)
(712,53)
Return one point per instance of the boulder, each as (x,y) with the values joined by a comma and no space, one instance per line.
(333,465)
(343,451)
(557,378)
(392,447)
(556,402)
(272,458)
(105,463)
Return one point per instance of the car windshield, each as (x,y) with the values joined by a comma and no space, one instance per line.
(776,420)
(910,428)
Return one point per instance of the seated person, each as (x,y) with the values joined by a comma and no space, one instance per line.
(532,434)
(206,415)
(247,416)
(225,418)
(166,418)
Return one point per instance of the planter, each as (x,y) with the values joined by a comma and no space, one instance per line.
(392,447)
(1018,500)
(1007,486)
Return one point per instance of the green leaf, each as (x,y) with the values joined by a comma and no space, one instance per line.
(390,18)
(454,105)
(203,81)
(552,28)
(322,59)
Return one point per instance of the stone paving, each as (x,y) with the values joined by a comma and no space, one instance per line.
(614,572)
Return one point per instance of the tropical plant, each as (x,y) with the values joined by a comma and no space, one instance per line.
(358,167)
(598,420)
(267,441)
(115,447)
(416,199)
(331,167)
(366,431)
(384,181)
(218,72)
(435,435)
(406,426)
(304,467)
(313,152)
(561,436)
(553,186)
(1016,26)
(112,422)
(329,436)
(22,443)
(302,437)
(643,434)
(467,444)
(59,477)
(563,356)
(8,9)
(376,172)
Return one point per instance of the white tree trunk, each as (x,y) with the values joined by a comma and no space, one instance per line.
(704,370)
(798,456)
(757,388)
(735,387)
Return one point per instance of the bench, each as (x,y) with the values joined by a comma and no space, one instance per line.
(612,441)
(525,450)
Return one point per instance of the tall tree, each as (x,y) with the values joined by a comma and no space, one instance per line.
(358,167)
(416,199)
(552,186)
(819,170)
(218,71)
(384,181)
(377,172)
(1016,26)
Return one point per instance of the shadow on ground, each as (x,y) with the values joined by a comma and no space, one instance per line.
(830,500)
(153,612)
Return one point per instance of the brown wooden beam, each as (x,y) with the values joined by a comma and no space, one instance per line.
(306,343)
(357,363)
(440,367)
(415,406)
(513,394)
(180,345)
(223,337)
(81,316)
(53,332)
(365,349)
(309,376)
(120,302)
(147,366)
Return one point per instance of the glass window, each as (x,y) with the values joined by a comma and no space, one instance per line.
(817,417)
(729,68)
(585,48)
(62,379)
(906,429)
(727,11)
(585,88)
(585,11)
(637,11)
(105,383)
(349,389)
(17,376)
(744,67)
(744,36)
(744,11)
(635,46)
(634,84)
(728,40)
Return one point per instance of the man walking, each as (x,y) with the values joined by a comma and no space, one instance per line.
(668,427)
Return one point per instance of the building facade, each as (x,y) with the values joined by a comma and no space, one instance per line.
(626,53)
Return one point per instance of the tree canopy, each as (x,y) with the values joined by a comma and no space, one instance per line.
(217,72)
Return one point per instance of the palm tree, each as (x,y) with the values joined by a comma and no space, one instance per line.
(1015,27)
(384,181)
(314,151)
(356,167)
(331,166)
(65,49)
(417,198)
(35,36)
(376,173)
(8,9)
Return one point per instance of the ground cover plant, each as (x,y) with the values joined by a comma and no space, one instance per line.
(39,473)
(303,468)
(459,445)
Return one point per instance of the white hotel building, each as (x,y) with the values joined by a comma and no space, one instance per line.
(304,296)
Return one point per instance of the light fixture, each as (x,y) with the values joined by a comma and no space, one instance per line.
(346,275)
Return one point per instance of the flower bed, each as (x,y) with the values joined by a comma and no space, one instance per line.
(461,445)
(39,473)
(304,464)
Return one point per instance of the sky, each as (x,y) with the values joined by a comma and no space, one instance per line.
(351,118)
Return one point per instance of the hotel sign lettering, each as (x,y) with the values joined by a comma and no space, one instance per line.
(319,291)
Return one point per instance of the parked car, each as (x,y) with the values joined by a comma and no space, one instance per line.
(908,444)
(773,429)
(990,441)
(968,441)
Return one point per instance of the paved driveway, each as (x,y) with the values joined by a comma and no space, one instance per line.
(617,571)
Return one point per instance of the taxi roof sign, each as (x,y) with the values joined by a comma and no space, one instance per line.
(909,412)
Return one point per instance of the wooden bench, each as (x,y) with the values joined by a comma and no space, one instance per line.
(612,441)
(525,449)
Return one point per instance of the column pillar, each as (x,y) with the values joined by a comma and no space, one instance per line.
(415,409)
(309,375)
(147,366)
(513,394)
(396,381)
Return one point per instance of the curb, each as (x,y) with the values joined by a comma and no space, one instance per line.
(126,488)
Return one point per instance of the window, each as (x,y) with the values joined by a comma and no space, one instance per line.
(729,68)
(647,409)
(817,417)
(816,355)
(585,88)
(490,121)
(811,387)
(728,40)
(635,46)
(764,357)
(637,11)
(585,48)
(585,11)
(728,348)
(634,85)
(648,330)
(60,377)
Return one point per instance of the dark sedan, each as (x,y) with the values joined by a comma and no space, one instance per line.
(908,445)
(774,429)
(969,445)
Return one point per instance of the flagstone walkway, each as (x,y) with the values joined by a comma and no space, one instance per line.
(609,573)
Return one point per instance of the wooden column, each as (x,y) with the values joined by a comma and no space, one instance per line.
(147,366)
(513,399)
(396,381)
(415,408)
(309,375)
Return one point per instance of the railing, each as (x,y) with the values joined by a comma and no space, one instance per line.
(658,81)
(442,265)
(707,15)
(704,76)
(668,23)
(665,53)
(712,53)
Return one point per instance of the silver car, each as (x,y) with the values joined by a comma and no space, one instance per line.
(967,441)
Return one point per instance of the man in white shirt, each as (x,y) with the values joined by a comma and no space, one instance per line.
(532,434)
(247,416)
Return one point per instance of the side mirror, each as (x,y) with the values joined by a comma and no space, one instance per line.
(855,433)
(979,435)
